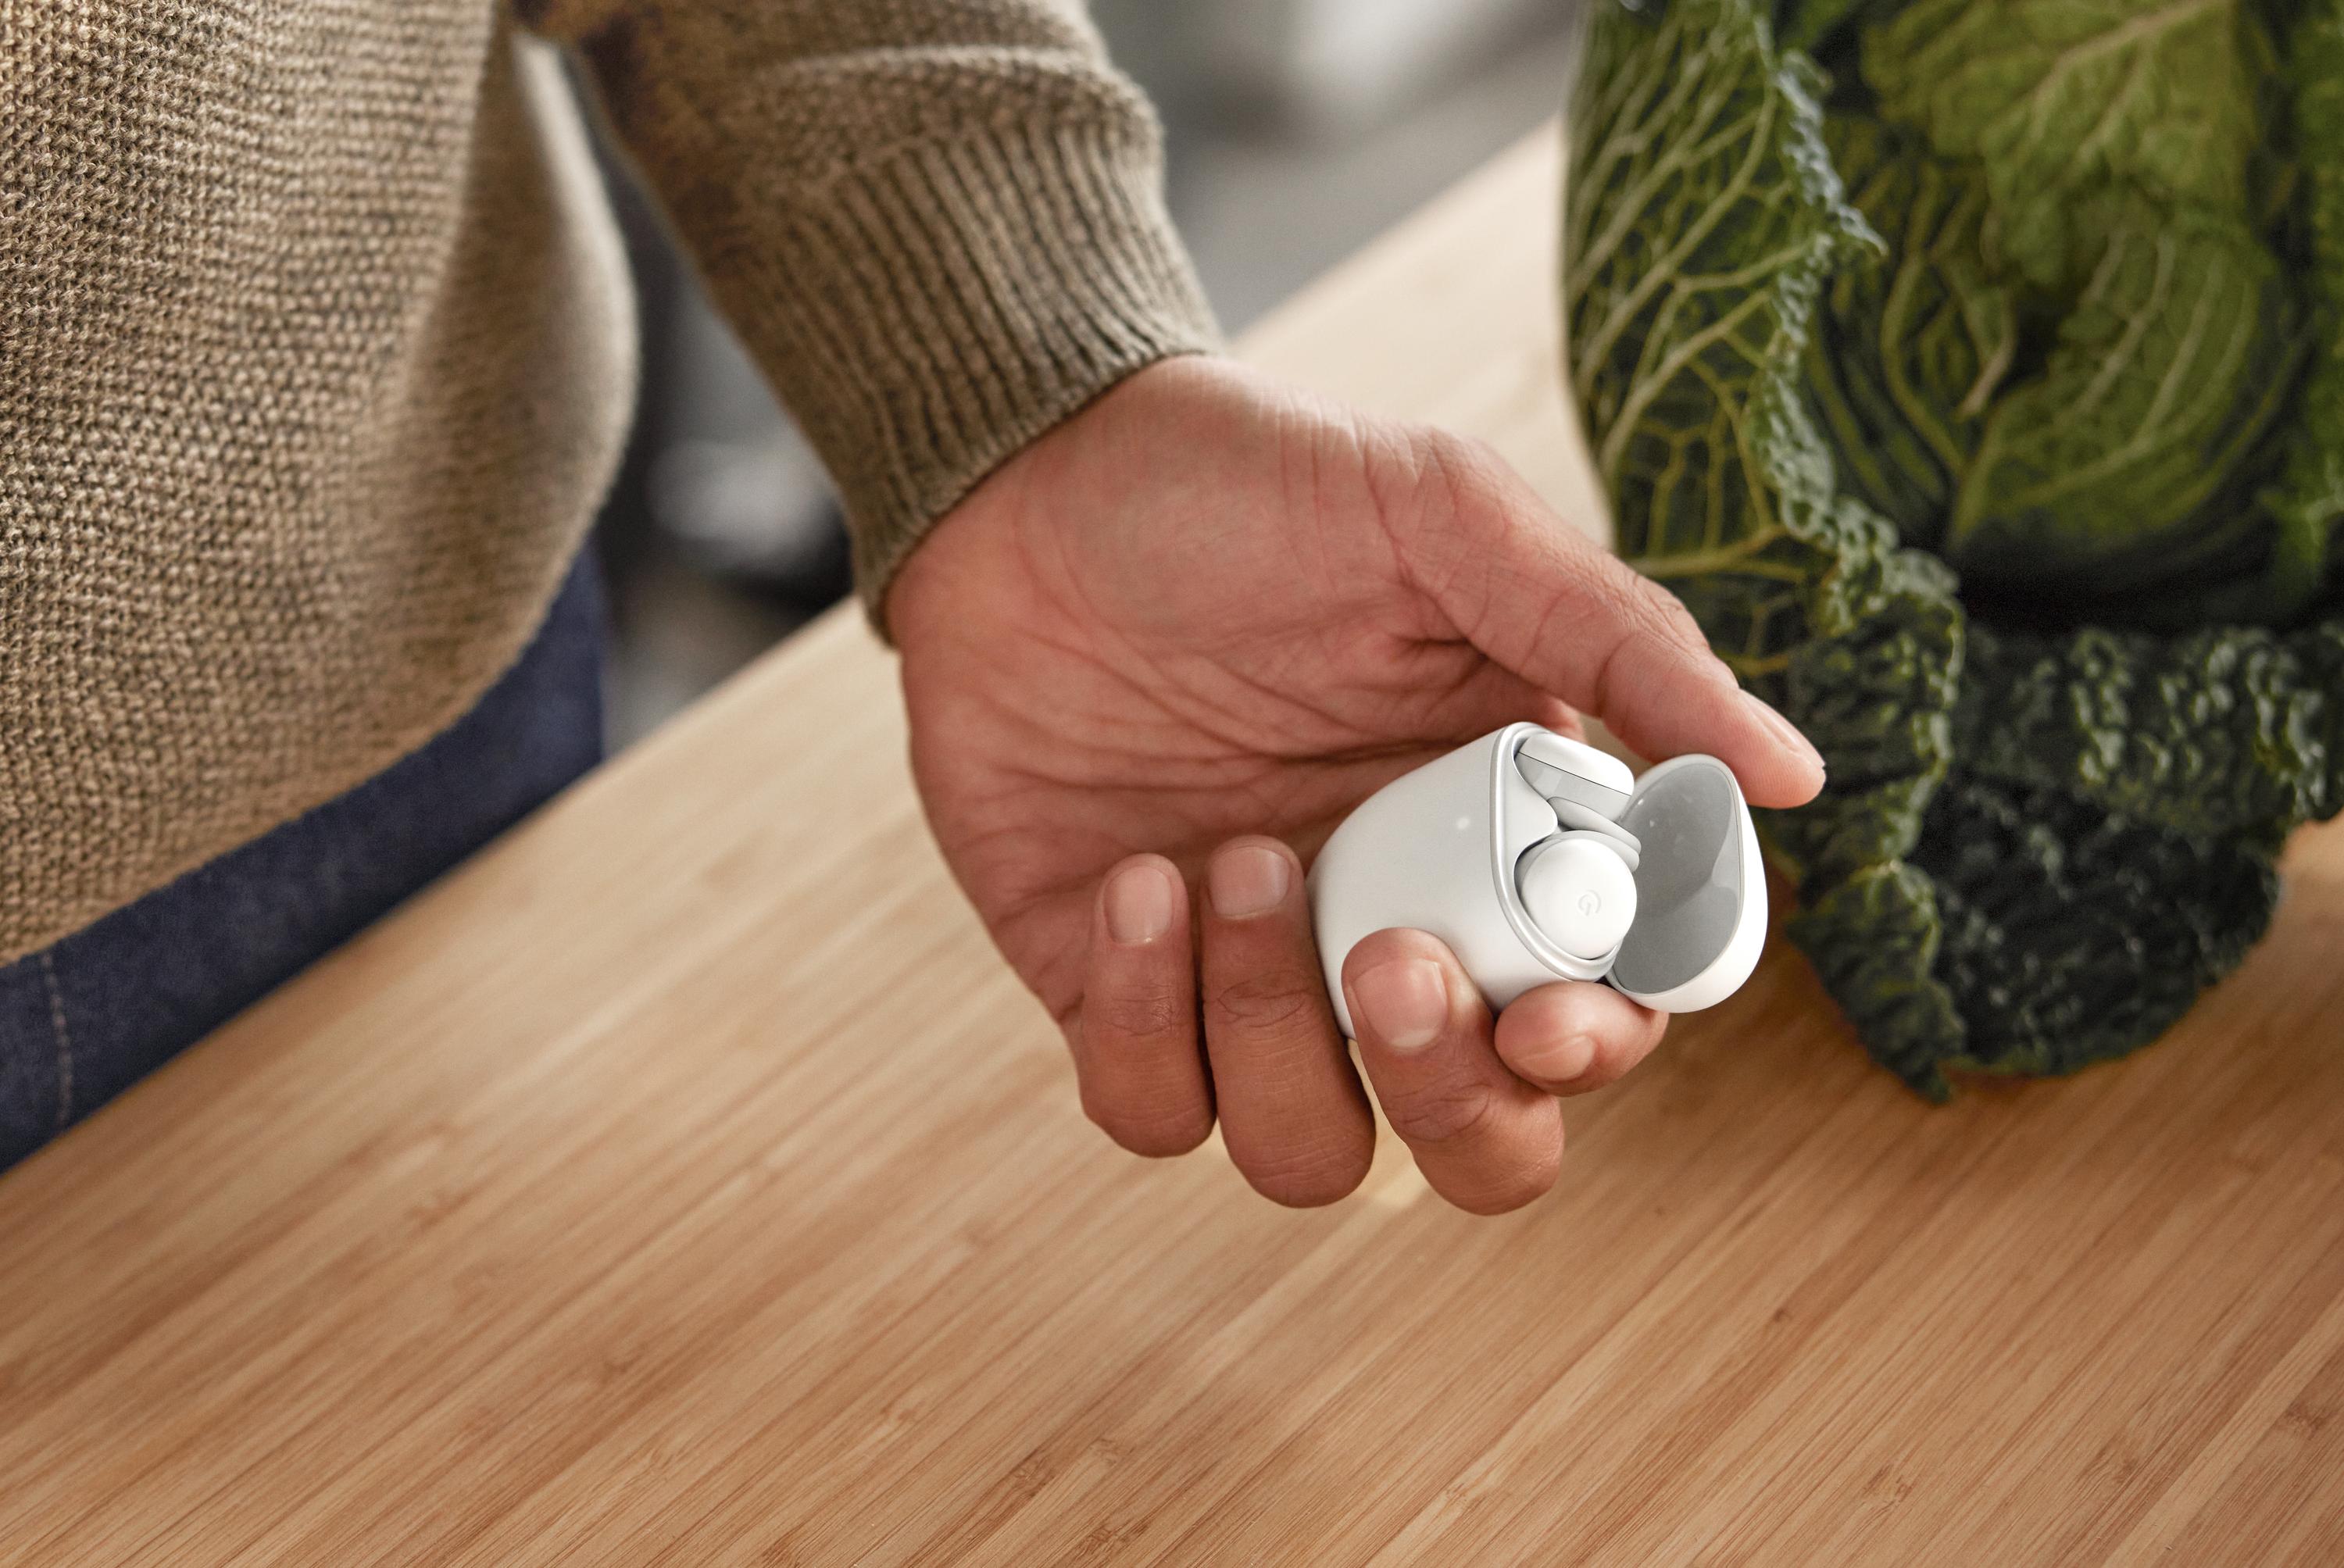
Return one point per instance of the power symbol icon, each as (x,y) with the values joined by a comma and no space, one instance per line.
(1589,906)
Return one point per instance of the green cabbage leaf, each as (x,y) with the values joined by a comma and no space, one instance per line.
(1973,370)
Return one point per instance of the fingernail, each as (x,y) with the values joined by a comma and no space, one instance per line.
(1787,732)
(1249,880)
(1138,904)
(1406,1002)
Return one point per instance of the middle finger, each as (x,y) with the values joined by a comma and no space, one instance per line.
(1293,1114)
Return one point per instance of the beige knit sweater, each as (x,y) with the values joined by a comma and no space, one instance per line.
(315,350)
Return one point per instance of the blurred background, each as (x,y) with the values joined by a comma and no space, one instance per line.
(1297,131)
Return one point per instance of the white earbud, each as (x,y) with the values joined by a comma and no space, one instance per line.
(1568,770)
(1573,815)
(1579,887)
(1579,891)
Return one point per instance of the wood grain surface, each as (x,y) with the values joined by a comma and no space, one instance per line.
(685,1181)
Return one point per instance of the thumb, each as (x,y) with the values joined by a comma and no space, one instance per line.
(1541,599)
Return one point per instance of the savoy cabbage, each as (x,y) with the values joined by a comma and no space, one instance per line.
(1973,370)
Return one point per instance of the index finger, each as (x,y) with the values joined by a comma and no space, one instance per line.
(1565,614)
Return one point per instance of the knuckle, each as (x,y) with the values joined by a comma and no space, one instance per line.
(1149,1012)
(1681,625)
(1157,1122)
(1442,1114)
(1165,1133)
(1665,614)
(1276,1003)
(1519,1182)
(1306,1177)
(1463,471)
(1476,460)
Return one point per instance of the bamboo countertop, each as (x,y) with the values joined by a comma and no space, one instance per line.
(685,1181)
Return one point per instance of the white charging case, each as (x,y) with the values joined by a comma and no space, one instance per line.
(1436,850)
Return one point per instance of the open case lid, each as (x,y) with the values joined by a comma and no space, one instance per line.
(1701,890)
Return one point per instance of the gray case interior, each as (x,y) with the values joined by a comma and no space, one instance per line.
(1689,891)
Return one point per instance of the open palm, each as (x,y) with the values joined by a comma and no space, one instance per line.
(1175,641)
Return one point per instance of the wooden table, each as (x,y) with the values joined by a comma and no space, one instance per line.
(686,1181)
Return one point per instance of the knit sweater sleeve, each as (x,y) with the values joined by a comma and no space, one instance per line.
(938,224)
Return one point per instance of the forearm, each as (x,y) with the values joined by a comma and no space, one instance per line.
(937,223)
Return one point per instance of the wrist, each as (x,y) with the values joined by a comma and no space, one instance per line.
(981,544)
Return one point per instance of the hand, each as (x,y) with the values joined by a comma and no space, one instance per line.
(1171,645)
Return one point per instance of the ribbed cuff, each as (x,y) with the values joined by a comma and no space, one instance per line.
(935,311)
